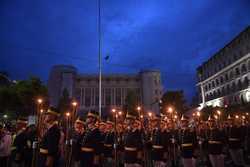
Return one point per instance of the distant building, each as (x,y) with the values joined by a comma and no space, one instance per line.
(84,87)
(223,80)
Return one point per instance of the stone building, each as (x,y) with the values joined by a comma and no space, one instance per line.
(223,80)
(115,87)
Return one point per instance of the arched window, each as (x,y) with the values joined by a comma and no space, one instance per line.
(223,91)
(231,74)
(228,88)
(243,68)
(226,77)
(206,88)
(219,92)
(213,85)
(233,86)
(217,82)
(221,80)
(237,71)
(246,82)
(239,85)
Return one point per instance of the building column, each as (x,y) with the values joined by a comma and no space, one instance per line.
(202,95)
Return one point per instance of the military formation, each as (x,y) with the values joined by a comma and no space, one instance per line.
(130,140)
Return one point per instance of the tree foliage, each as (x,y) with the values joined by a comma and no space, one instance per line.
(20,98)
(174,99)
(131,102)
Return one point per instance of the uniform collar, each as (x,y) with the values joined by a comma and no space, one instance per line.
(52,124)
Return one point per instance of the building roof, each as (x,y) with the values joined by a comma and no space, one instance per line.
(246,30)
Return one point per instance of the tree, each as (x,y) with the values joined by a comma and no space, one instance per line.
(64,101)
(20,98)
(174,99)
(131,102)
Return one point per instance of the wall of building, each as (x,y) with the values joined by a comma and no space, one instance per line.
(115,87)
(224,78)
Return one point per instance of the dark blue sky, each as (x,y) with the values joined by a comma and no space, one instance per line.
(174,36)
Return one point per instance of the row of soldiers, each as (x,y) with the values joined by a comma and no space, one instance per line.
(136,142)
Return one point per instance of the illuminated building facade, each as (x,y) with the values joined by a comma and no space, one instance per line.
(115,87)
(223,80)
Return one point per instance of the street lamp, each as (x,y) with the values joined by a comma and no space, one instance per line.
(74,104)
(237,116)
(5,116)
(150,114)
(170,110)
(39,101)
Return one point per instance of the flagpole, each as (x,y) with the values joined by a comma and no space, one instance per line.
(100,58)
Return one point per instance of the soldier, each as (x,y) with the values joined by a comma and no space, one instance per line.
(49,146)
(20,143)
(158,143)
(216,138)
(76,138)
(187,143)
(132,143)
(5,146)
(173,145)
(109,143)
(31,136)
(235,141)
(248,142)
(90,144)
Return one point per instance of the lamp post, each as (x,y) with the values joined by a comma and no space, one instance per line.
(35,144)
(116,114)
(74,114)
(67,142)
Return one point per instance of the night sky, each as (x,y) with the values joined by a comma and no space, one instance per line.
(175,36)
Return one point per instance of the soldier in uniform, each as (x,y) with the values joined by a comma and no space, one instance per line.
(187,143)
(248,142)
(215,138)
(158,143)
(109,140)
(20,143)
(235,141)
(132,143)
(31,136)
(76,138)
(49,146)
(90,144)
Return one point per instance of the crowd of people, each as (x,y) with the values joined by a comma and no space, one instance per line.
(135,141)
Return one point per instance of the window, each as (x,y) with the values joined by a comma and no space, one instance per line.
(239,85)
(233,86)
(231,75)
(246,82)
(209,85)
(237,71)
(217,82)
(243,68)
(108,96)
(226,77)
(218,92)
(221,80)
(223,91)
(87,97)
(228,88)
(213,84)
(96,96)
(118,96)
